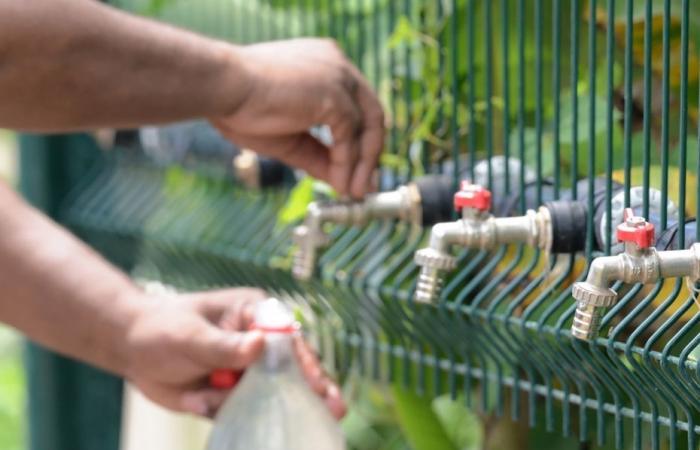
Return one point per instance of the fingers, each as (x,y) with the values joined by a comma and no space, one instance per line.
(334,402)
(231,309)
(299,150)
(218,348)
(371,138)
(304,83)
(200,401)
(345,120)
(318,380)
(203,402)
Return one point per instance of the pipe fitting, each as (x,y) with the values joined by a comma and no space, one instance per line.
(640,263)
(417,203)
(477,229)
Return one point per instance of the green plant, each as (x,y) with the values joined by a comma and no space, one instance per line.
(12,392)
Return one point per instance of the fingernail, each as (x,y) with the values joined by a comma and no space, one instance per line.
(332,391)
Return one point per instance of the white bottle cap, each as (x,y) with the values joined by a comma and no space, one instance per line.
(273,316)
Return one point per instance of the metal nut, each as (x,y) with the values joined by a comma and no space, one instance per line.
(589,294)
(432,258)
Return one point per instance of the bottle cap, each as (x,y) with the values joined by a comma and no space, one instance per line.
(635,229)
(472,196)
(272,316)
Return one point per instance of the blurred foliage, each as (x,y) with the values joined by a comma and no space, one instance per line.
(8,156)
(12,392)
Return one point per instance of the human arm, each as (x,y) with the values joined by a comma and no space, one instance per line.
(66,297)
(77,64)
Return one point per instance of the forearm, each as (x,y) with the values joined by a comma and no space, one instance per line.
(77,64)
(58,291)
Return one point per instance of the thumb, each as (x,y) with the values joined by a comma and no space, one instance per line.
(218,348)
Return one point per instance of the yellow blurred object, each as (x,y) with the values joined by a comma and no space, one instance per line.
(637,176)
(657,49)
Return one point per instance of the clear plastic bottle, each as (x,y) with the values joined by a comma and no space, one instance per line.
(273,407)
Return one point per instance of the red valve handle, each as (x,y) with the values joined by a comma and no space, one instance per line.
(472,196)
(224,378)
(641,233)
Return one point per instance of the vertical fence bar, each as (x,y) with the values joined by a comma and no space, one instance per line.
(472,87)
(664,113)
(592,71)
(538,98)
(683,132)
(454,125)
(505,37)
(610,56)
(71,405)
(488,47)
(648,18)
(556,94)
(629,22)
(574,95)
(376,60)
(521,100)
(440,116)
(408,89)
(392,87)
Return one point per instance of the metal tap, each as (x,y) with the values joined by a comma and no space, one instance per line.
(640,263)
(420,202)
(479,229)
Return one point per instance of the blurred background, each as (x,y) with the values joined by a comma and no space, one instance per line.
(12,379)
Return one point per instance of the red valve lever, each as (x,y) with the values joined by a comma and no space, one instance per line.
(472,196)
(635,229)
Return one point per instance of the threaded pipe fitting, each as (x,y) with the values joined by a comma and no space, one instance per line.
(304,264)
(429,285)
(591,303)
(586,321)
(433,264)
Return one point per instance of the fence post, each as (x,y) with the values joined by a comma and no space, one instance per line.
(72,406)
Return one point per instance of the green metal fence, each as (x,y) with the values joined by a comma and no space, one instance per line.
(578,90)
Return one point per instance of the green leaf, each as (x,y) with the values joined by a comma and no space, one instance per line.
(299,198)
(462,426)
(404,33)
(156,7)
(419,423)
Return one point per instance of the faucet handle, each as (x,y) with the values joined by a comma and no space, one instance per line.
(472,196)
(636,229)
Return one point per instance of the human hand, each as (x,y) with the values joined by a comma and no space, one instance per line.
(176,342)
(295,85)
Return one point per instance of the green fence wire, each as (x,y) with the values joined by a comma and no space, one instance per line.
(594,92)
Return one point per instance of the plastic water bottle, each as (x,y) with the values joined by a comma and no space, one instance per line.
(273,407)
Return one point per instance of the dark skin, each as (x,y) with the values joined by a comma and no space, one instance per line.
(68,65)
